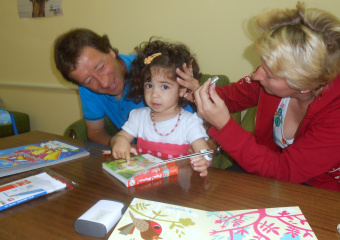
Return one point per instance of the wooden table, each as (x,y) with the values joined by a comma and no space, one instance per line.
(52,216)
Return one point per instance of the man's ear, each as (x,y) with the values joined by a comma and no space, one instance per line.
(112,53)
(182,91)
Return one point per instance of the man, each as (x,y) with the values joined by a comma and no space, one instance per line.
(88,60)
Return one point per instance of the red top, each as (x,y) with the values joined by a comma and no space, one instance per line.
(314,157)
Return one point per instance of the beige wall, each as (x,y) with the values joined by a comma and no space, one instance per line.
(216,30)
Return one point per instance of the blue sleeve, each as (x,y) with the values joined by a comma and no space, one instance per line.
(189,108)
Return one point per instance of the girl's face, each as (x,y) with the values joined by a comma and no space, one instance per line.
(161,93)
(272,84)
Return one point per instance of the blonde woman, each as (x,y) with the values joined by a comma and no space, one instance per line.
(297,93)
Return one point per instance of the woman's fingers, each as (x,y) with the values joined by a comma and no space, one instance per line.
(188,69)
(213,94)
(203,100)
(189,96)
(186,78)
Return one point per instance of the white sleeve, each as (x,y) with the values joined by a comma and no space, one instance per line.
(131,126)
(196,129)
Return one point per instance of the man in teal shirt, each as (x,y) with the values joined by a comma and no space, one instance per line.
(88,60)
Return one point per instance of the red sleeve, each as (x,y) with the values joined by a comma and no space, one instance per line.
(240,95)
(326,182)
(310,156)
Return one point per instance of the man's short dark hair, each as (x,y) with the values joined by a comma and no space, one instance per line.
(69,46)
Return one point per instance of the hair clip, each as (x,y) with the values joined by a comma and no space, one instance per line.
(149,59)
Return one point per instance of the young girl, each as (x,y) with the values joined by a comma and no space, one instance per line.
(163,129)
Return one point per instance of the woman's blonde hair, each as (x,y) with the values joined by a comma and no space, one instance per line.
(301,46)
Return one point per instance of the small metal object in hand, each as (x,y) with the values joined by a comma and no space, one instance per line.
(214,80)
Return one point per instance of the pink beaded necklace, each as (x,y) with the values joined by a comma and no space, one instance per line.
(154,123)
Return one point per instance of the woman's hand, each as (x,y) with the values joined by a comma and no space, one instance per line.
(210,106)
(188,81)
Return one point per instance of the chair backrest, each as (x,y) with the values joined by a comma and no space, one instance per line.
(78,129)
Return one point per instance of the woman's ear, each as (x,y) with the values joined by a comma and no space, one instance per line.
(182,91)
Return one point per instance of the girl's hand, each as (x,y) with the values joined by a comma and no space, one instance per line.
(210,106)
(199,164)
(121,147)
(188,81)
(122,150)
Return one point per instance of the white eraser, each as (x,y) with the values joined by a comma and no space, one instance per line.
(100,218)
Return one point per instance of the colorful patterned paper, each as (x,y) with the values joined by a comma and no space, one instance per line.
(150,220)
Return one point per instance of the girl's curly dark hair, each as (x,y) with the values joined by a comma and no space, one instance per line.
(173,55)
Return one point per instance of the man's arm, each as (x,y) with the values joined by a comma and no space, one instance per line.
(96,131)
